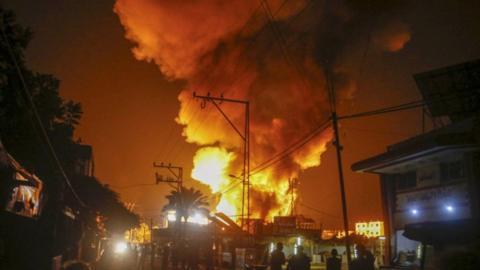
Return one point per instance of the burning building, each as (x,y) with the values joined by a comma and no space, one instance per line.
(271,53)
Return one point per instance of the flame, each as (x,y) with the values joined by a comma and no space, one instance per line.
(211,167)
(270,190)
(274,59)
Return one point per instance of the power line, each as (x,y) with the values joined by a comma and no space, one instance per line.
(38,119)
(211,83)
(410,105)
(291,148)
(319,211)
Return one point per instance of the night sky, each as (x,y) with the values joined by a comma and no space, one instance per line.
(129,107)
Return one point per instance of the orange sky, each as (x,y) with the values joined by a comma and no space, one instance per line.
(130,108)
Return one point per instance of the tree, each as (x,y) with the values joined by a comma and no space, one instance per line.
(22,135)
(104,202)
(185,202)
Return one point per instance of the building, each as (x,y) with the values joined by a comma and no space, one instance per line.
(83,164)
(430,183)
(22,198)
(370,229)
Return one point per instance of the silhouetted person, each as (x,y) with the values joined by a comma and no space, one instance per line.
(107,259)
(334,263)
(165,256)
(364,261)
(192,260)
(277,258)
(300,261)
(209,258)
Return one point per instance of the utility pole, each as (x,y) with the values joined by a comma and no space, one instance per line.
(176,171)
(216,101)
(338,147)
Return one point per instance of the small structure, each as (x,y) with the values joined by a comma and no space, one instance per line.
(21,191)
(429,183)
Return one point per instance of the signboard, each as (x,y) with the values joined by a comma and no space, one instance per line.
(428,175)
(285,224)
(439,203)
(432,197)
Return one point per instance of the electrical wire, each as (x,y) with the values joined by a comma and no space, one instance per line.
(38,119)
(319,211)
(291,148)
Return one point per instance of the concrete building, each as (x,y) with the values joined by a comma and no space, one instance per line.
(430,183)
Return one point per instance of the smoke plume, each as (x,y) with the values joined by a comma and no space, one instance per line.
(271,53)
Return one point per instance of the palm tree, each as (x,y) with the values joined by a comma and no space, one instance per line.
(185,202)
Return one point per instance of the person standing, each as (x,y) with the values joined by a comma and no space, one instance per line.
(300,261)
(364,261)
(334,263)
(277,258)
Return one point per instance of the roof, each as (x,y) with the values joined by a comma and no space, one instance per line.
(21,174)
(457,137)
(452,91)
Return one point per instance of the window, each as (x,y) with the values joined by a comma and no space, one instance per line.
(452,171)
(406,180)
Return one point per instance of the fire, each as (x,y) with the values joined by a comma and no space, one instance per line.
(271,193)
(230,50)
(211,167)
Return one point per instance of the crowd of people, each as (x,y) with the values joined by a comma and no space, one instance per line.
(300,261)
(185,258)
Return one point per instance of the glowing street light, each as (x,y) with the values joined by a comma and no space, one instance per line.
(120,247)
(414,211)
(449,208)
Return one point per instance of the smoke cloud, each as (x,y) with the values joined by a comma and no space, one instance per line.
(272,53)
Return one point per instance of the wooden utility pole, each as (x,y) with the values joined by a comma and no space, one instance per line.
(338,146)
(246,146)
(176,171)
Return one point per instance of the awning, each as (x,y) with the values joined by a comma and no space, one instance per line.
(443,232)
(449,140)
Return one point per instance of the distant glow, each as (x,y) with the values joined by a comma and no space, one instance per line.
(198,218)
(414,211)
(381,237)
(419,251)
(272,246)
(120,247)
(449,208)
(370,229)
(171,216)
(295,249)
(299,241)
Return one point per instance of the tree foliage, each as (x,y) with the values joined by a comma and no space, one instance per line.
(185,202)
(21,133)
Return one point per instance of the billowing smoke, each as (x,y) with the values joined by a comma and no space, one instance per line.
(271,53)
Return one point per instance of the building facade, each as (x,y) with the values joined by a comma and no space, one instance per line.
(430,183)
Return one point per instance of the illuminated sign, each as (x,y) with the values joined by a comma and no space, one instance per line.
(370,229)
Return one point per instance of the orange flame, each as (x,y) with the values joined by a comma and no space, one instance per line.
(273,56)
